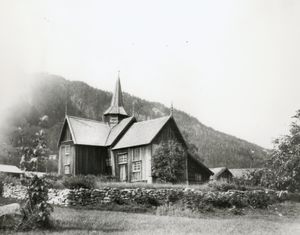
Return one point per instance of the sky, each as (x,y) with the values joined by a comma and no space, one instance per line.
(233,64)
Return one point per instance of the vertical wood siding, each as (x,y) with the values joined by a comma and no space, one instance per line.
(194,169)
(91,160)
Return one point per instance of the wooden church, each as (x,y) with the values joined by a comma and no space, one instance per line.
(120,146)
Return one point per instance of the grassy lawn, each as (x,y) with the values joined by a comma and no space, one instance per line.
(282,219)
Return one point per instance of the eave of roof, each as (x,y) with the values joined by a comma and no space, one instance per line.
(200,163)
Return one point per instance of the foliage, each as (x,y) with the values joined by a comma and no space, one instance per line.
(224,186)
(168,162)
(36,211)
(282,170)
(79,181)
(34,157)
(1,183)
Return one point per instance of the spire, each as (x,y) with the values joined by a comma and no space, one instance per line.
(117,106)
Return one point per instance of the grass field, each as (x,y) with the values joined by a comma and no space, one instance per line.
(282,219)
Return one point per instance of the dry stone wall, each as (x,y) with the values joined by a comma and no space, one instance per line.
(190,198)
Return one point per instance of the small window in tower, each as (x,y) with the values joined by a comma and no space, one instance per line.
(113,120)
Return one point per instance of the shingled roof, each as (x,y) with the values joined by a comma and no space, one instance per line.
(142,133)
(88,132)
(219,171)
(95,133)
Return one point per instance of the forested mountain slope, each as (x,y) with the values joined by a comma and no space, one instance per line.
(50,93)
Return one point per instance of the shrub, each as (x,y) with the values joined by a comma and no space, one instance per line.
(36,211)
(1,188)
(224,186)
(80,181)
(146,200)
(12,180)
(168,162)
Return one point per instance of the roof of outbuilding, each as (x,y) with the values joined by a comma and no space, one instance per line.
(242,172)
(218,171)
(142,133)
(10,169)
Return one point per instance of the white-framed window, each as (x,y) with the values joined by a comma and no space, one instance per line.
(113,120)
(136,154)
(122,158)
(136,166)
(67,149)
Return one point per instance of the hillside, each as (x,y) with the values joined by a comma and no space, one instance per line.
(50,94)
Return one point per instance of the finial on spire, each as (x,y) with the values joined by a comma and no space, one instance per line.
(172,109)
(66,108)
(118,74)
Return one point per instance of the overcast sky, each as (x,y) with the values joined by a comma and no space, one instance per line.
(232,64)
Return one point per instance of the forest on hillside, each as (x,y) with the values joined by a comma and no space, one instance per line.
(51,93)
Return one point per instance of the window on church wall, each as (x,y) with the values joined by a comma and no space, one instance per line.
(108,162)
(136,154)
(137,163)
(67,150)
(122,158)
(113,120)
(136,170)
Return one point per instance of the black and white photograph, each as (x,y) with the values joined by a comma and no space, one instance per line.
(150,117)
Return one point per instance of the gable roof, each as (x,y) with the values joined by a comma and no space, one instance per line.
(95,133)
(117,130)
(242,172)
(88,132)
(10,169)
(219,171)
(142,133)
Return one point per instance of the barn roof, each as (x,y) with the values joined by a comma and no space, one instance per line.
(142,133)
(242,172)
(10,169)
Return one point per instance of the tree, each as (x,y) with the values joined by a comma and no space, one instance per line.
(282,169)
(34,153)
(168,162)
(285,160)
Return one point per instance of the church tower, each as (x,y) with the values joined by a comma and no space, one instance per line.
(116,112)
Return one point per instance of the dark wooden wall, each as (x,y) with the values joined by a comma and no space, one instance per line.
(91,160)
(226,175)
(194,167)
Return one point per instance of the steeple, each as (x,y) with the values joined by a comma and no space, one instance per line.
(116,112)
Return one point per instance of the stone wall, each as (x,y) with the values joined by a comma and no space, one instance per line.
(190,198)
